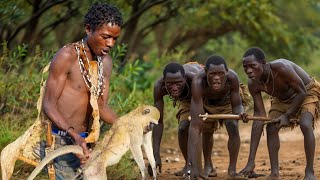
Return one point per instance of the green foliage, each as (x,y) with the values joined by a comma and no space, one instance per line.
(188,31)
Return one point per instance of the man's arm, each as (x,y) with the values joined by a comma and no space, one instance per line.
(158,129)
(106,113)
(59,70)
(235,97)
(257,127)
(196,125)
(286,72)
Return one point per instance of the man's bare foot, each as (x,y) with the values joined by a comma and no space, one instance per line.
(248,170)
(255,175)
(210,172)
(309,176)
(182,172)
(273,177)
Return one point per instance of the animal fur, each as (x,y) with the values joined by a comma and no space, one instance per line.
(129,132)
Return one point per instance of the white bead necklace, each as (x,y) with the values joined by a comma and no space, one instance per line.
(95,89)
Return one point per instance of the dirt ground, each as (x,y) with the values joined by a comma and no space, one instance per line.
(292,157)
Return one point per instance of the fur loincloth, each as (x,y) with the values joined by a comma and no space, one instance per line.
(310,104)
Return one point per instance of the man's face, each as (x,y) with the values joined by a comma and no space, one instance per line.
(252,67)
(103,38)
(216,76)
(175,83)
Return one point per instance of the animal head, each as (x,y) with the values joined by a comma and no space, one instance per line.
(147,116)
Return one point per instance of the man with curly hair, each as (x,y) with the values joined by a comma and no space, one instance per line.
(294,94)
(78,81)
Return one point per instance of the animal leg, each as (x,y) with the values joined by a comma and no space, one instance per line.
(147,145)
(138,157)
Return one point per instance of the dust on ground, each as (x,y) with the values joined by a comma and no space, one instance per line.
(291,155)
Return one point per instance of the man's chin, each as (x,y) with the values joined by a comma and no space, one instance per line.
(216,88)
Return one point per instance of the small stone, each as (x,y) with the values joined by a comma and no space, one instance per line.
(176,160)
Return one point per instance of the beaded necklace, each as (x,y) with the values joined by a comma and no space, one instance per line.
(268,79)
(96,86)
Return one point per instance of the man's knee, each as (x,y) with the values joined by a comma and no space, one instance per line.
(232,127)
(231,124)
(306,122)
(183,126)
(272,128)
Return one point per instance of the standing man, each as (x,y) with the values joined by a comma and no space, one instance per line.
(215,91)
(71,84)
(294,95)
(176,82)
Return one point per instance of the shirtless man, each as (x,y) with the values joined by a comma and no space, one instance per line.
(66,99)
(176,82)
(294,95)
(214,90)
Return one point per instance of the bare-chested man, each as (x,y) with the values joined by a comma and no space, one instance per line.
(294,95)
(214,90)
(67,93)
(176,82)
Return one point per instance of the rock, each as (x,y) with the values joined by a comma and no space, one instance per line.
(176,160)
(174,152)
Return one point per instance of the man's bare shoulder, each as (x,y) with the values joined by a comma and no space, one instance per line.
(159,88)
(63,59)
(159,83)
(282,64)
(198,80)
(232,74)
(191,69)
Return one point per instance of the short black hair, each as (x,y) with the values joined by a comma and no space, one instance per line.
(173,68)
(257,52)
(102,13)
(216,60)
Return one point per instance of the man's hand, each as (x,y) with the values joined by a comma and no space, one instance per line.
(244,117)
(283,121)
(86,153)
(157,158)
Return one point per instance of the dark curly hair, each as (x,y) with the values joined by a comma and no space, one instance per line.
(102,13)
(173,68)
(216,60)
(257,52)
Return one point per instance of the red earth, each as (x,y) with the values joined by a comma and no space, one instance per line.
(291,155)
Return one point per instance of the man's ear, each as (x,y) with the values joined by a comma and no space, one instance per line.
(88,29)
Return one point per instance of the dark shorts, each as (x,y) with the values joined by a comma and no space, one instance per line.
(66,166)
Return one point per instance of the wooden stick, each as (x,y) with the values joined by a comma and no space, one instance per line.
(212,117)
(28,161)
(206,117)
